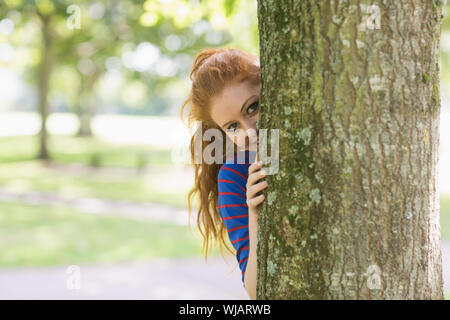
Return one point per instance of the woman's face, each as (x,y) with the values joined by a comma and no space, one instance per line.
(236,110)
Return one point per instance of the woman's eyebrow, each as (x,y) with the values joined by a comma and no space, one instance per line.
(242,108)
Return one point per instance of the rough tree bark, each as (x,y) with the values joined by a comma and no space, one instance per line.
(353,212)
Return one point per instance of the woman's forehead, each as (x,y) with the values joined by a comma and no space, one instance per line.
(229,102)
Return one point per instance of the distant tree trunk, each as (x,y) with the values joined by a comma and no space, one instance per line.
(84,117)
(44,78)
(86,105)
(353,212)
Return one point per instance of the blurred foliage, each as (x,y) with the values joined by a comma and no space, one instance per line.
(151,42)
(445,52)
(134,54)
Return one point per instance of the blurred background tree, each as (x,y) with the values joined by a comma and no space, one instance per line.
(147,46)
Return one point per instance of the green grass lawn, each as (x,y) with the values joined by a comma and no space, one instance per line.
(49,235)
(36,176)
(85,150)
(21,172)
(445,216)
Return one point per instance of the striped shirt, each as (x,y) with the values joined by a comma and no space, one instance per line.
(231,181)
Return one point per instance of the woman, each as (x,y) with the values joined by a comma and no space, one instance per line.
(225,96)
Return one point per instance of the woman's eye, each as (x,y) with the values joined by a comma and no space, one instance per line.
(232,126)
(253,107)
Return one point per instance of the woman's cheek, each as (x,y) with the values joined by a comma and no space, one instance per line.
(232,137)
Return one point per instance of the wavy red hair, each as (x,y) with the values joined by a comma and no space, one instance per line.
(211,71)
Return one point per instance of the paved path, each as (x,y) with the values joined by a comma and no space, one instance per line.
(158,279)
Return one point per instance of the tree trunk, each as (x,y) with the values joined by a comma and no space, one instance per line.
(353,212)
(86,104)
(44,78)
(84,117)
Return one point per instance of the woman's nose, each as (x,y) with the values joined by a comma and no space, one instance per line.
(250,125)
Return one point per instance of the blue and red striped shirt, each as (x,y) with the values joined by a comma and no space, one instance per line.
(232,180)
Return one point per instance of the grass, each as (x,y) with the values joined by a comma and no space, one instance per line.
(445,216)
(83,150)
(36,176)
(49,235)
(21,172)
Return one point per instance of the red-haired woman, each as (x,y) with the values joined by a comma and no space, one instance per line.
(225,96)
